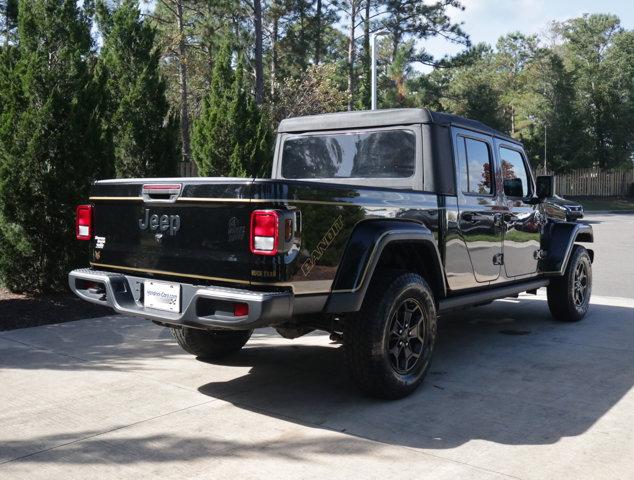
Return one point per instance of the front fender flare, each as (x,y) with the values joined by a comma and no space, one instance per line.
(362,254)
(559,241)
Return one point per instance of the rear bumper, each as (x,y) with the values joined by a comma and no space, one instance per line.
(201,306)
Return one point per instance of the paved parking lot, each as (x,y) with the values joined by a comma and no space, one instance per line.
(511,393)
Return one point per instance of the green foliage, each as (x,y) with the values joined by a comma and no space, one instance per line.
(598,55)
(144,135)
(577,93)
(232,136)
(50,143)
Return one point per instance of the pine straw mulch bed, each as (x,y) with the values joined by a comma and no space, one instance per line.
(22,311)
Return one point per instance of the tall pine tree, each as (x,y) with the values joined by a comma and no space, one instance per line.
(50,144)
(144,135)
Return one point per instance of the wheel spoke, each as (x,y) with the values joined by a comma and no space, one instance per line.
(407,336)
(414,332)
(407,318)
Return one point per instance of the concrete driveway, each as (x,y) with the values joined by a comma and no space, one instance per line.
(511,393)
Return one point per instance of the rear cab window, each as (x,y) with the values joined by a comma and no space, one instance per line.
(475,167)
(381,157)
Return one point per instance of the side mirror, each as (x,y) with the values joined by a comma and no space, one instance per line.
(545,186)
(513,187)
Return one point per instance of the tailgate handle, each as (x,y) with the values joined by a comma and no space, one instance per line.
(161,192)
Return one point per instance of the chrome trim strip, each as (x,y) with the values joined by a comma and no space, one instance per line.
(219,279)
(135,199)
(271,200)
(175,274)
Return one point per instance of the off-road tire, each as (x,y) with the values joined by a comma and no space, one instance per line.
(368,335)
(563,292)
(211,344)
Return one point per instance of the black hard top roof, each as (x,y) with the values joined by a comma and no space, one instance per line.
(382,118)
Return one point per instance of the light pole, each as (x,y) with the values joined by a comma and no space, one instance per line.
(374,37)
(545,146)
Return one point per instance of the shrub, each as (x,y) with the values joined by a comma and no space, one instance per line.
(50,144)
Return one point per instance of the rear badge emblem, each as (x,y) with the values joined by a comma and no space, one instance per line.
(100,242)
(162,223)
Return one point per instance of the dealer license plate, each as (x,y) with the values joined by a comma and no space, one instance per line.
(162,296)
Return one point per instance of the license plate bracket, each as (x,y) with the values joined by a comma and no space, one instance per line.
(163,296)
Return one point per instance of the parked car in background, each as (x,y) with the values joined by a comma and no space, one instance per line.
(563,208)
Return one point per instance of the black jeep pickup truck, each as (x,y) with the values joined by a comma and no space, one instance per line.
(373,224)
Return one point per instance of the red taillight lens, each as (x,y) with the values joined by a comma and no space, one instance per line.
(83,222)
(240,309)
(264,232)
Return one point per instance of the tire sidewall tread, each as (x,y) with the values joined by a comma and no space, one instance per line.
(365,335)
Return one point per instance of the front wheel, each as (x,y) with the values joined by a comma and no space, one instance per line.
(211,344)
(389,342)
(569,295)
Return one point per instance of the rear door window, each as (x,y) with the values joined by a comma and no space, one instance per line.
(366,154)
(475,169)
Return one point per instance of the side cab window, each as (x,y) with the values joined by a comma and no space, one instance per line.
(515,173)
(475,167)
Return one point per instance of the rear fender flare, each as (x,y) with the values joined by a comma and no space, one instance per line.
(559,242)
(361,256)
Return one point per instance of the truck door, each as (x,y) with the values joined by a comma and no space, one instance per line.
(522,222)
(479,214)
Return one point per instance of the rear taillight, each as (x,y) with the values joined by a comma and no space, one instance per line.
(83,222)
(264,232)
(240,309)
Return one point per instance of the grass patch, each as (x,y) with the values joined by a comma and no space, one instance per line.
(606,204)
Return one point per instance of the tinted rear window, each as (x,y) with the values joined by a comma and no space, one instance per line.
(379,154)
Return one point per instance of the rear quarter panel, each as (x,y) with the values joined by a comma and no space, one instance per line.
(329,214)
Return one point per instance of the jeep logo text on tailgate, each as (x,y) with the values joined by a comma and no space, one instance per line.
(164,223)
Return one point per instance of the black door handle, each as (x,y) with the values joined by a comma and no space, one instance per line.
(469,217)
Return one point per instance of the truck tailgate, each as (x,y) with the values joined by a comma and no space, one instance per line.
(200,232)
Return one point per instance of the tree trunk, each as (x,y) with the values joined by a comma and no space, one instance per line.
(396,40)
(318,38)
(274,34)
(367,67)
(182,52)
(259,66)
(396,36)
(351,53)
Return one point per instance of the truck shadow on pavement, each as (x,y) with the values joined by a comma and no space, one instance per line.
(505,373)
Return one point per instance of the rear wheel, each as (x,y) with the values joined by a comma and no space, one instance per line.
(389,343)
(569,295)
(211,344)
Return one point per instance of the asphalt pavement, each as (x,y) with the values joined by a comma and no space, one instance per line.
(614,253)
(511,394)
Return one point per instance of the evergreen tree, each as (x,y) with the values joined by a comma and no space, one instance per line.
(232,135)
(50,144)
(211,145)
(144,135)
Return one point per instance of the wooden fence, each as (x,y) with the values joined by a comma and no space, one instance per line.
(581,183)
(593,182)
